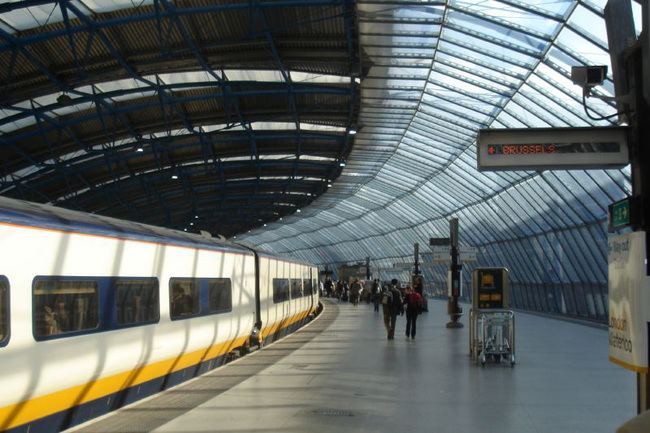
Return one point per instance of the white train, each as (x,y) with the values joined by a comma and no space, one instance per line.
(96,312)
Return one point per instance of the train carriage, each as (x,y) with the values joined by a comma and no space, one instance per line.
(96,312)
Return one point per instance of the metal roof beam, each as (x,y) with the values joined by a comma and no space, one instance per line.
(149,16)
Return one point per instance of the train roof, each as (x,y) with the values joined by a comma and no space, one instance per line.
(51,217)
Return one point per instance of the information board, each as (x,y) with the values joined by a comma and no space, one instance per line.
(552,148)
(443,255)
(629,301)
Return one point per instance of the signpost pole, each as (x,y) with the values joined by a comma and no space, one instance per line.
(367,268)
(453,309)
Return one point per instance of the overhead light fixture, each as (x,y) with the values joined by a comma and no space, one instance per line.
(196,217)
(352,131)
(64,99)
(298,210)
(234,237)
(280,218)
(139,149)
(341,163)
(191,224)
(174,177)
(264,224)
(329,185)
(185,230)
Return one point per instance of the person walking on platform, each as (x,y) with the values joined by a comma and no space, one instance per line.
(375,294)
(413,303)
(339,290)
(329,287)
(392,305)
(355,292)
(345,292)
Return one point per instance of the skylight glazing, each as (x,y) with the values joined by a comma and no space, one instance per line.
(440,72)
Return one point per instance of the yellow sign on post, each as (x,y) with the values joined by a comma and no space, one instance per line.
(629,301)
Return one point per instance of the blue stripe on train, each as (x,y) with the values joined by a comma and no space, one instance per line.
(87,411)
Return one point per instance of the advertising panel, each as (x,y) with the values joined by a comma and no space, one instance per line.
(629,301)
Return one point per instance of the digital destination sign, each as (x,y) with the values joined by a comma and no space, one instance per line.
(552,148)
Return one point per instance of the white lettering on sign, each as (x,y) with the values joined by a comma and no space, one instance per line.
(465,254)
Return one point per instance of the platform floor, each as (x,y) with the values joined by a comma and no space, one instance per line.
(340,374)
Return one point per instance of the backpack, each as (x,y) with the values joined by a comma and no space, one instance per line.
(386,298)
(397,300)
(415,302)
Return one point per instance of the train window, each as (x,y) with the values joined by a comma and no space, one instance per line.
(137,300)
(64,306)
(184,297)
(296,288)
(308,287)
(280,290)
(4,310)
(219,295)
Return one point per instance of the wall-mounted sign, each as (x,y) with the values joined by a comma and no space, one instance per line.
(629,301)
(623,213)
(552,148)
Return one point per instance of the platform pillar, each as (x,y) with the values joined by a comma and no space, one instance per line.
(453,309)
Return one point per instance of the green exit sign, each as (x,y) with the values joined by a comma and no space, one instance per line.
(622,214)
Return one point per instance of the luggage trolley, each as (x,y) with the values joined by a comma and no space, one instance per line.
(492,325)
(496,336)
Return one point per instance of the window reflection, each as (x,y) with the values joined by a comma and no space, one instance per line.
(219,295)
(64,306)
(184,300)
(137,301)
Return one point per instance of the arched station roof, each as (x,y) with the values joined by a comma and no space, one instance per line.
(442,70)
(218,115)
(227,115)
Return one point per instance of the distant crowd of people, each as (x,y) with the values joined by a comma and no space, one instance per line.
(393,299)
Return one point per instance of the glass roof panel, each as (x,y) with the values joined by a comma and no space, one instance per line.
(492,23)
(438,72)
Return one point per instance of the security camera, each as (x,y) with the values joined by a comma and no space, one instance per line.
(588,76)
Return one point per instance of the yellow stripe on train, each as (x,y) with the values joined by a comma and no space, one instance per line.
(39,407)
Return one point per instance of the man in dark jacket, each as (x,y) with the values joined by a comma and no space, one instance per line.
(392,308)
(355,292)
(413,303)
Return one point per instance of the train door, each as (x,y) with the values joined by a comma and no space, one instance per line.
(316,288)
(269,273)
(313,275)
(285,305)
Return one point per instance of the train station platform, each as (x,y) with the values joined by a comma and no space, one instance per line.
(341,374)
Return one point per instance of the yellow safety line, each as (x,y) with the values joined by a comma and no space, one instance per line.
(39,407)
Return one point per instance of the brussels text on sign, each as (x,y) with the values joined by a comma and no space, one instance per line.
(552,148)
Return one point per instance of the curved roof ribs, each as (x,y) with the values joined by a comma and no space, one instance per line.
(74,138)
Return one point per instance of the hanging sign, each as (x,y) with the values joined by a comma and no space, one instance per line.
(552,148)
(443,254)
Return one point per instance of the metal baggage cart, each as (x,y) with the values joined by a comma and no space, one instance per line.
(492,336)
